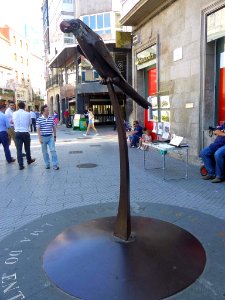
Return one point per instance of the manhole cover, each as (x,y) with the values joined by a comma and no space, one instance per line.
(86,165)
(75,152)
(95,145)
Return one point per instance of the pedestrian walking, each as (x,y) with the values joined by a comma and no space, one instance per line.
(66,117)
(91,123)
(4,140)
(22,122)
(9,114)
(86,116)
(56,117)
(46,130)
(33,121)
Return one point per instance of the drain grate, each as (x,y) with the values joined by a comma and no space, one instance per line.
(95,145)
(75,152)
(86,165)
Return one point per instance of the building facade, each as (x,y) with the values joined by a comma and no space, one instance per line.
(7,93)
(59,73)
(178,65)
(20,77)
(76,74)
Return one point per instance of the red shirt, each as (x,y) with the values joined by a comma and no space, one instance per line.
(66,114)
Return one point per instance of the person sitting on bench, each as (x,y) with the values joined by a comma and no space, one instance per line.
(135,135)
(213,157)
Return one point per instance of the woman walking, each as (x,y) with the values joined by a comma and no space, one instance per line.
(91,122)
(56,117)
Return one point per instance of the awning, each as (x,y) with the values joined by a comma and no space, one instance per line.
(143,9)
(67,53)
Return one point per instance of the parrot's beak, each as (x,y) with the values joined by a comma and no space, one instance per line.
(65,26)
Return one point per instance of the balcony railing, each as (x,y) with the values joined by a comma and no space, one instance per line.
(54,80)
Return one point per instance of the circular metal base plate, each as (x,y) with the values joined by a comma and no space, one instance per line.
(88,262)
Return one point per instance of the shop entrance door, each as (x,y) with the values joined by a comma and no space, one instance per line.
(151,90)
(222,88)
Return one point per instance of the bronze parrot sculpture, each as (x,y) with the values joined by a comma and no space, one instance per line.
(93,48)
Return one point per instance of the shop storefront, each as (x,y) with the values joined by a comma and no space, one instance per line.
(216,39)
(103,110)
(186,82)
(156,118)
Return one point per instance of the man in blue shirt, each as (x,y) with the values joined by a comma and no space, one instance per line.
(4,139)
(213,157)
(135,135)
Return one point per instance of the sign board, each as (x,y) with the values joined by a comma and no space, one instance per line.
(177,54)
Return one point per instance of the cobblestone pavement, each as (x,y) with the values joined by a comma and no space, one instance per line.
(35,191)
(29,194)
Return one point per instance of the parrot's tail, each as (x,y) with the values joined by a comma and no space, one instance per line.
(129,91)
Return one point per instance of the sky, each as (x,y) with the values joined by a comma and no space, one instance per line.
(25,17)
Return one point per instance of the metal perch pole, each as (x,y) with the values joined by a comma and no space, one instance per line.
(123,221)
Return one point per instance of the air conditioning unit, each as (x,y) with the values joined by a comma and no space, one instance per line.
(135,39)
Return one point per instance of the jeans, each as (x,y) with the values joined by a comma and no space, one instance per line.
(22,138)
(49,141)
(214,161)
(4,140)
(134,139)
(33,125)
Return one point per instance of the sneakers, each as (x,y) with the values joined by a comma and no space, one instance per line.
(208,177)
(55,168)
(21,167)
(31,161)
(97,134)
(217,180)
(84,134)
(47,167)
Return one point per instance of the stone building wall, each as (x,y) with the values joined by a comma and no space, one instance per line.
(188,81)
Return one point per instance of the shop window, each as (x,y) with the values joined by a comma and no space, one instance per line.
(86,20)
(99,21)
(96,75)
(107,20)
(68,38)
(93,22)
(83,75)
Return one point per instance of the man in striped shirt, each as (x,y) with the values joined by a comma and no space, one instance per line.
(46,130)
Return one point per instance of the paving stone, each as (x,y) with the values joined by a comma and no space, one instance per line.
(30,196)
